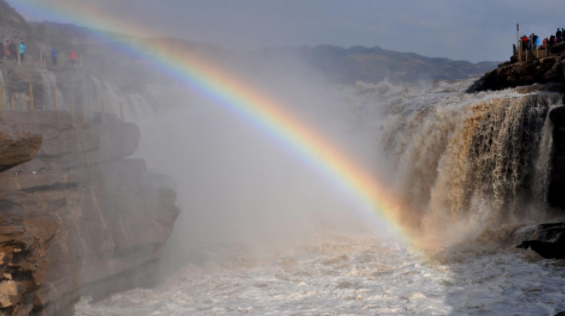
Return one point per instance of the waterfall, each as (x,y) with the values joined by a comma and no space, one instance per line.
(90,91)
(134,105)
(543,165)
(480,159)
(48,80)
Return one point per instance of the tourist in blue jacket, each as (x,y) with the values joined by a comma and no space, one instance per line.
(22,51)
(537,44)
(54,56)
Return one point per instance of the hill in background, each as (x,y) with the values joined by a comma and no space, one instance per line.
(375,64)
(337,64)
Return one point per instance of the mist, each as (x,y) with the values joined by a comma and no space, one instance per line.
(238,186)
(161,191)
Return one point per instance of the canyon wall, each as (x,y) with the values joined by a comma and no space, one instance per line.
(79,218)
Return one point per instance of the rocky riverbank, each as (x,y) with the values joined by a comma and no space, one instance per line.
(79,218)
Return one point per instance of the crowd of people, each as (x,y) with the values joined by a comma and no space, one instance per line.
(10,50)
(533,42)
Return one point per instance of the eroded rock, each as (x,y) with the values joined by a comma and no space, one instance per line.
(16,147)
(79,219)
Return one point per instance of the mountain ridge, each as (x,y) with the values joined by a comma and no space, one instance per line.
(340,65)
(356,63)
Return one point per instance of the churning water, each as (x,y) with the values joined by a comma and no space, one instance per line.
(350,276)
(462,163)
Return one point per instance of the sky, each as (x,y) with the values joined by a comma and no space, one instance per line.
(474,30)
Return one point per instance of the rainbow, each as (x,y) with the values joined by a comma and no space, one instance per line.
(263,112)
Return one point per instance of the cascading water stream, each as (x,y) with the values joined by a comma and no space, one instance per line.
(543,164)
(483,162)
(91,92)
(49,81)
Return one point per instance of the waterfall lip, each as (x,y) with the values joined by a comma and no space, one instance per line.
(527,229)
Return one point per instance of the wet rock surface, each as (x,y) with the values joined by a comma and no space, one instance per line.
(79,218)
(557,116)
(548,240)
(17,148)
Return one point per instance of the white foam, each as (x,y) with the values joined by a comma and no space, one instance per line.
(367,278)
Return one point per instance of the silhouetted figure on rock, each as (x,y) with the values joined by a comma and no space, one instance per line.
(559,36)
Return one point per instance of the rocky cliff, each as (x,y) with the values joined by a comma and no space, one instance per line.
(14,26)
(79,218)
(514,73)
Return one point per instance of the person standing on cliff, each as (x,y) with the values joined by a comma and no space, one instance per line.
(524,42)
(22,51)
(530,42)
(533,39)
(13,50)
(54,56)
(544,45)
(73,57)
(8,50)
(559,36)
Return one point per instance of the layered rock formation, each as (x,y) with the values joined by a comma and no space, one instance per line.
(17,148)
(79,218)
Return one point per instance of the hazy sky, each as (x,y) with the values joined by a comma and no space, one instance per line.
(475,30)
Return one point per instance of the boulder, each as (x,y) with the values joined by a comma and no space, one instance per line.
(17,148)
(548,240)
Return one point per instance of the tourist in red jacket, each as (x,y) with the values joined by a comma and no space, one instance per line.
(525,41)
(73,57)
